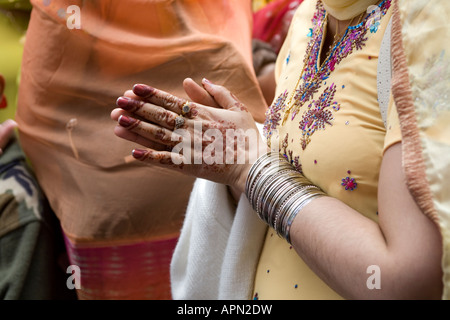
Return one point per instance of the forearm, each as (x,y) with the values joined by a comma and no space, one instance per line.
(341,245)
(337,242)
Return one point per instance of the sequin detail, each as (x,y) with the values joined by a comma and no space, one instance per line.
(289,155)
(349,184)
(319,115)
(314,77)
(273,115)
(374,21)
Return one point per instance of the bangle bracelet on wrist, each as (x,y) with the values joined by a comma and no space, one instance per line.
(277,192)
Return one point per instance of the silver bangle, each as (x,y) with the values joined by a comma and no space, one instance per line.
(292,212)
(285,201)
(262,167)
(277,192)
(263,187)
(284,187)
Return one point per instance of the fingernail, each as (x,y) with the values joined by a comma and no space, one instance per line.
(127,122)
(206,81)
(124,103)
(139,154)
(142,90)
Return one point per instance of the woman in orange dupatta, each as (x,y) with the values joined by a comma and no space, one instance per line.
(123,248)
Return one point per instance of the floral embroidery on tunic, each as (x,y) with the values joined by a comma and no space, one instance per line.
(313,77)
(273,115)
(289,155)
(319,115)
(349,184)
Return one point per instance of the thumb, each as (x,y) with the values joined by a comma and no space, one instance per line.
(198,94)
(223,96)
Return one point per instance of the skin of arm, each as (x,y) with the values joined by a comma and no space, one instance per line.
(337,242)
(340,244)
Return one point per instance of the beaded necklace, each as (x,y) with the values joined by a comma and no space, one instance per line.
(313,76)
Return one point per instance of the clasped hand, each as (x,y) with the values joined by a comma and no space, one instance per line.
(213,137)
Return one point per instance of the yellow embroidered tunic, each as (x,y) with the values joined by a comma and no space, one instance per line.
(334,134)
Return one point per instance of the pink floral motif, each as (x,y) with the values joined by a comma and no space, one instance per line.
(349,184)
(295,161)
(289,155)
(285,143)
(313,78)
(273,115)
(319,115)
(297,165)
(332,63)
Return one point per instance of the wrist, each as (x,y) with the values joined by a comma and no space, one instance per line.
(239,186)
(277,192)
(245,168)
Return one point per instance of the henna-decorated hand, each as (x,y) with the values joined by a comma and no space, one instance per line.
(214,137)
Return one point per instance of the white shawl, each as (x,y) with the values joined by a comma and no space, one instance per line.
(219,246)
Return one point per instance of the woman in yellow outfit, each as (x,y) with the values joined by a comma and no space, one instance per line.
(356,187)
(345,108)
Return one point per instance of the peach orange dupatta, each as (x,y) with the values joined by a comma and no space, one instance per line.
(121,218)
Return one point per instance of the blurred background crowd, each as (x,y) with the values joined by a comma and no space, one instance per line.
(60,188)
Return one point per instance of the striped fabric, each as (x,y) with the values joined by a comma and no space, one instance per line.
(136,271)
